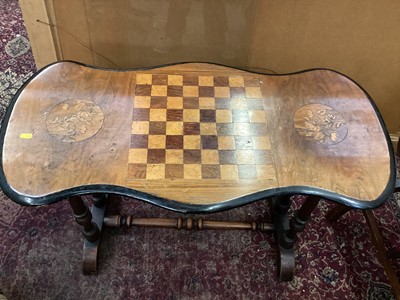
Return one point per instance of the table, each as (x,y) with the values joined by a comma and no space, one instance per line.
(194,138)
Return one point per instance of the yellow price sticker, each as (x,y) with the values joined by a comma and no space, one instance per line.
(25,136)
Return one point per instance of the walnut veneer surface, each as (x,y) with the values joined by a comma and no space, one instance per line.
(195,133)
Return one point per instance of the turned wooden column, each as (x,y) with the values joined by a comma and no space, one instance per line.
(281,205)
(83,217)
(99,200)
(285,256)
(184,223)
(298,222)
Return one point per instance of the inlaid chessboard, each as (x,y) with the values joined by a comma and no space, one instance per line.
(194,133)
(199,127)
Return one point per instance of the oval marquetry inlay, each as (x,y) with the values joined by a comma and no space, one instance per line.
(320,123)
(74,120)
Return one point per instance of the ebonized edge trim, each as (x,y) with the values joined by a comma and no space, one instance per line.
(186,207)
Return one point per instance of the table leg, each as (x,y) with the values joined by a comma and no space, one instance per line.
(377,239)
(287,234)
(92,223)
(286,256)
(83,217)
(338,211)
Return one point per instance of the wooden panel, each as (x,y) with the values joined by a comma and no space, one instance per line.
(194,133)
(40,35)
(357,38)
(73,31)
(147,33)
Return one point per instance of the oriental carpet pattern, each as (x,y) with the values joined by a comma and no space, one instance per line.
(41,247)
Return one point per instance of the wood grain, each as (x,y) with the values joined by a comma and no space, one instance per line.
(356,167)
(355,164)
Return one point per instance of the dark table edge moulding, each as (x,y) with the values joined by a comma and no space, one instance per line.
(186,207)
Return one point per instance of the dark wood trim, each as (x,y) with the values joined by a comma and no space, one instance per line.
(83,217)
(183,207)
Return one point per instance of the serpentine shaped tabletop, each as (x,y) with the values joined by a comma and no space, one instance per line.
(194,137)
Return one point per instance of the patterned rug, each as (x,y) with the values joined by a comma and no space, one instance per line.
(40,249)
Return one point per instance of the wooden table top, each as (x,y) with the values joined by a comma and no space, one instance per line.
(194,137)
